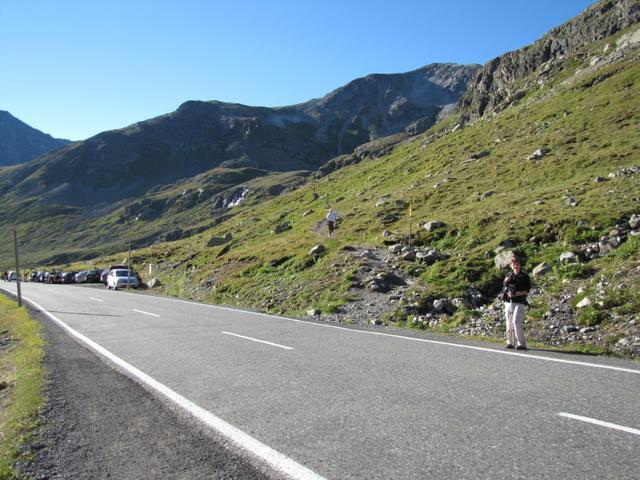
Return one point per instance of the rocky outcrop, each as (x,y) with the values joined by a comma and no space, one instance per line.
(497,84)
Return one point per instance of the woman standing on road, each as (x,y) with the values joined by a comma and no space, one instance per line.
(516,287)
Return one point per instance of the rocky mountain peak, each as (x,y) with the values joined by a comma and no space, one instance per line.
(496,84)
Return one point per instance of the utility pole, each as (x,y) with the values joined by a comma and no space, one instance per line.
(15,247)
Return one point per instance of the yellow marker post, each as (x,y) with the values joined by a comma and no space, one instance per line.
(410,222)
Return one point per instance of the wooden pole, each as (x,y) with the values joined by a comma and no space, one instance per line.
(15,247)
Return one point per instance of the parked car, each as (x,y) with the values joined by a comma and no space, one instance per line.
(81,277)
(57,277)
(105,273)
(120,278)
(92,276)
(69,277)
(12,276)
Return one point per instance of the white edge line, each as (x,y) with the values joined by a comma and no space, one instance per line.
(146,313)
(615,426)
(402,337)
(259,341)
(96,299)
(279,462)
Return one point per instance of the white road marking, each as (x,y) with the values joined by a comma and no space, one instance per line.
(96,299)
(147,313)
(259,341)
(278,461)
(615,426)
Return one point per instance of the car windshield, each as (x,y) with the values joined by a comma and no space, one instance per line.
(123,273)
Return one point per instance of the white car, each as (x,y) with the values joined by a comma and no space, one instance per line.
(12,276)
(119,278)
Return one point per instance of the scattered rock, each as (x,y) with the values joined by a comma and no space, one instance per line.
(486,195)
(312,312)
(568,257)
(541,269)
(282,227)
(217,241)
(395,249)
(503,259)
(434,225)
(154,283)
(538,154)
(585,302)
(317,250)
(409,256)
(480,154)
(634,222)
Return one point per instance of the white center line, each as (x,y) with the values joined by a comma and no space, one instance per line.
(622,428)
(95,299)
(259,341)
(147,313)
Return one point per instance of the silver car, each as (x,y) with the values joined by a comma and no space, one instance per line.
(121,278)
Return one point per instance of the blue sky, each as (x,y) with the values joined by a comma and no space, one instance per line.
(75,68)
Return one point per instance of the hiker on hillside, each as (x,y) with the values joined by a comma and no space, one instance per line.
(516,287)
(331,221)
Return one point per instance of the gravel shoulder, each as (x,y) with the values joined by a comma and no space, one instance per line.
(97,423)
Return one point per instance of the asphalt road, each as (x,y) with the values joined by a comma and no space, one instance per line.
(320,401)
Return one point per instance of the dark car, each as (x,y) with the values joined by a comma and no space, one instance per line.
(92,276)
(69,277)
(57,277)
(81,277)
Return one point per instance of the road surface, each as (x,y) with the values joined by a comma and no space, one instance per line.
(323,401)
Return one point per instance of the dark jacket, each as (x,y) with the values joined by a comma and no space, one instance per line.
(516,283)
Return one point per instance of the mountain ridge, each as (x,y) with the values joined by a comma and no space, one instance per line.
(20,143)
(199,136)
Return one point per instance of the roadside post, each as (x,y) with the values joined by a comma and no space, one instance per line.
(15,247)
(410,222)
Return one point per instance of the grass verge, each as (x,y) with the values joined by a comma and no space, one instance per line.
(21,380)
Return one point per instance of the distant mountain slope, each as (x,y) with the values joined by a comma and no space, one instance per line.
(200,136)
(20,143)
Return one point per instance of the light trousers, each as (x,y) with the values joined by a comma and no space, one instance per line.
(514,313)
